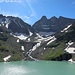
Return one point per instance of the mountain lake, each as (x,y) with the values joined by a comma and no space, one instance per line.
(37,68)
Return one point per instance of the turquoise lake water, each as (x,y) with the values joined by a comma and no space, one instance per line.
(37,68)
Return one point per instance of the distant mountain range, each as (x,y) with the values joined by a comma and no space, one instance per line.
(47,39)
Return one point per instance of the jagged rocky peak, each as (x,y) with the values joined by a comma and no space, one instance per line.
(44,18)
(65,18)
(1,16)
(54,17)
(61,17)
(53,24)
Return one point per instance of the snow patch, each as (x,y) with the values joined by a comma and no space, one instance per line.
(31,50)
(39,36)
(22,47)
(18,40)
(20,36)
(52,39)
(65,29)
(33,58)
(70,43)
(6,58)
(28,39)
(44,48)
(70,60)
(70,50)
(37,45)
(30,33)
(7,25)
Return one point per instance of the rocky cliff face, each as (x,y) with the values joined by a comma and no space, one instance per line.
(15,25)
(53,24)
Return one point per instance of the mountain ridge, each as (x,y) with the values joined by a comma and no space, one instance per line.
(20,41)
(53,24)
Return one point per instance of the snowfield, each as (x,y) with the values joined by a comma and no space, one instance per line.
(65,29)
(30,33)
(20,36)
(6,58)
(52,39)
(70,49)
(18,40)
(37,45)
(22,47)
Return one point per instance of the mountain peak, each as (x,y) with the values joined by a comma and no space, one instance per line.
(53,18)
(1,16)
(60,17)
(44,18)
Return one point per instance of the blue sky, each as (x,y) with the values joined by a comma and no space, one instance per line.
(32,10)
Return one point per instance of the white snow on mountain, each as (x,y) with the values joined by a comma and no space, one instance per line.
(39,36)
(20,36)
(37,45)
(44,48)
(28,39)
(18,40)
(65,29)
(4,23)
(6,58)
(52,39)
(31,50)
(70,49)
(7,24)
(22,47)
(71,60)
(41,39)
(30,33)
(70,43)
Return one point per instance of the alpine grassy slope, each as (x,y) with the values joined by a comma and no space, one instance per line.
(47,39)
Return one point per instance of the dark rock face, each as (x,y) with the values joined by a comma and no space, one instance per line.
(53,24)
(65,57)
(15,24)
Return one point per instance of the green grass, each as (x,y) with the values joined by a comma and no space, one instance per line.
(16,56)
(54,53)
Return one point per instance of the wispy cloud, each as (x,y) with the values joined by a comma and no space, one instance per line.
(33,12)
(25,17)
(10,1)
(7,13)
